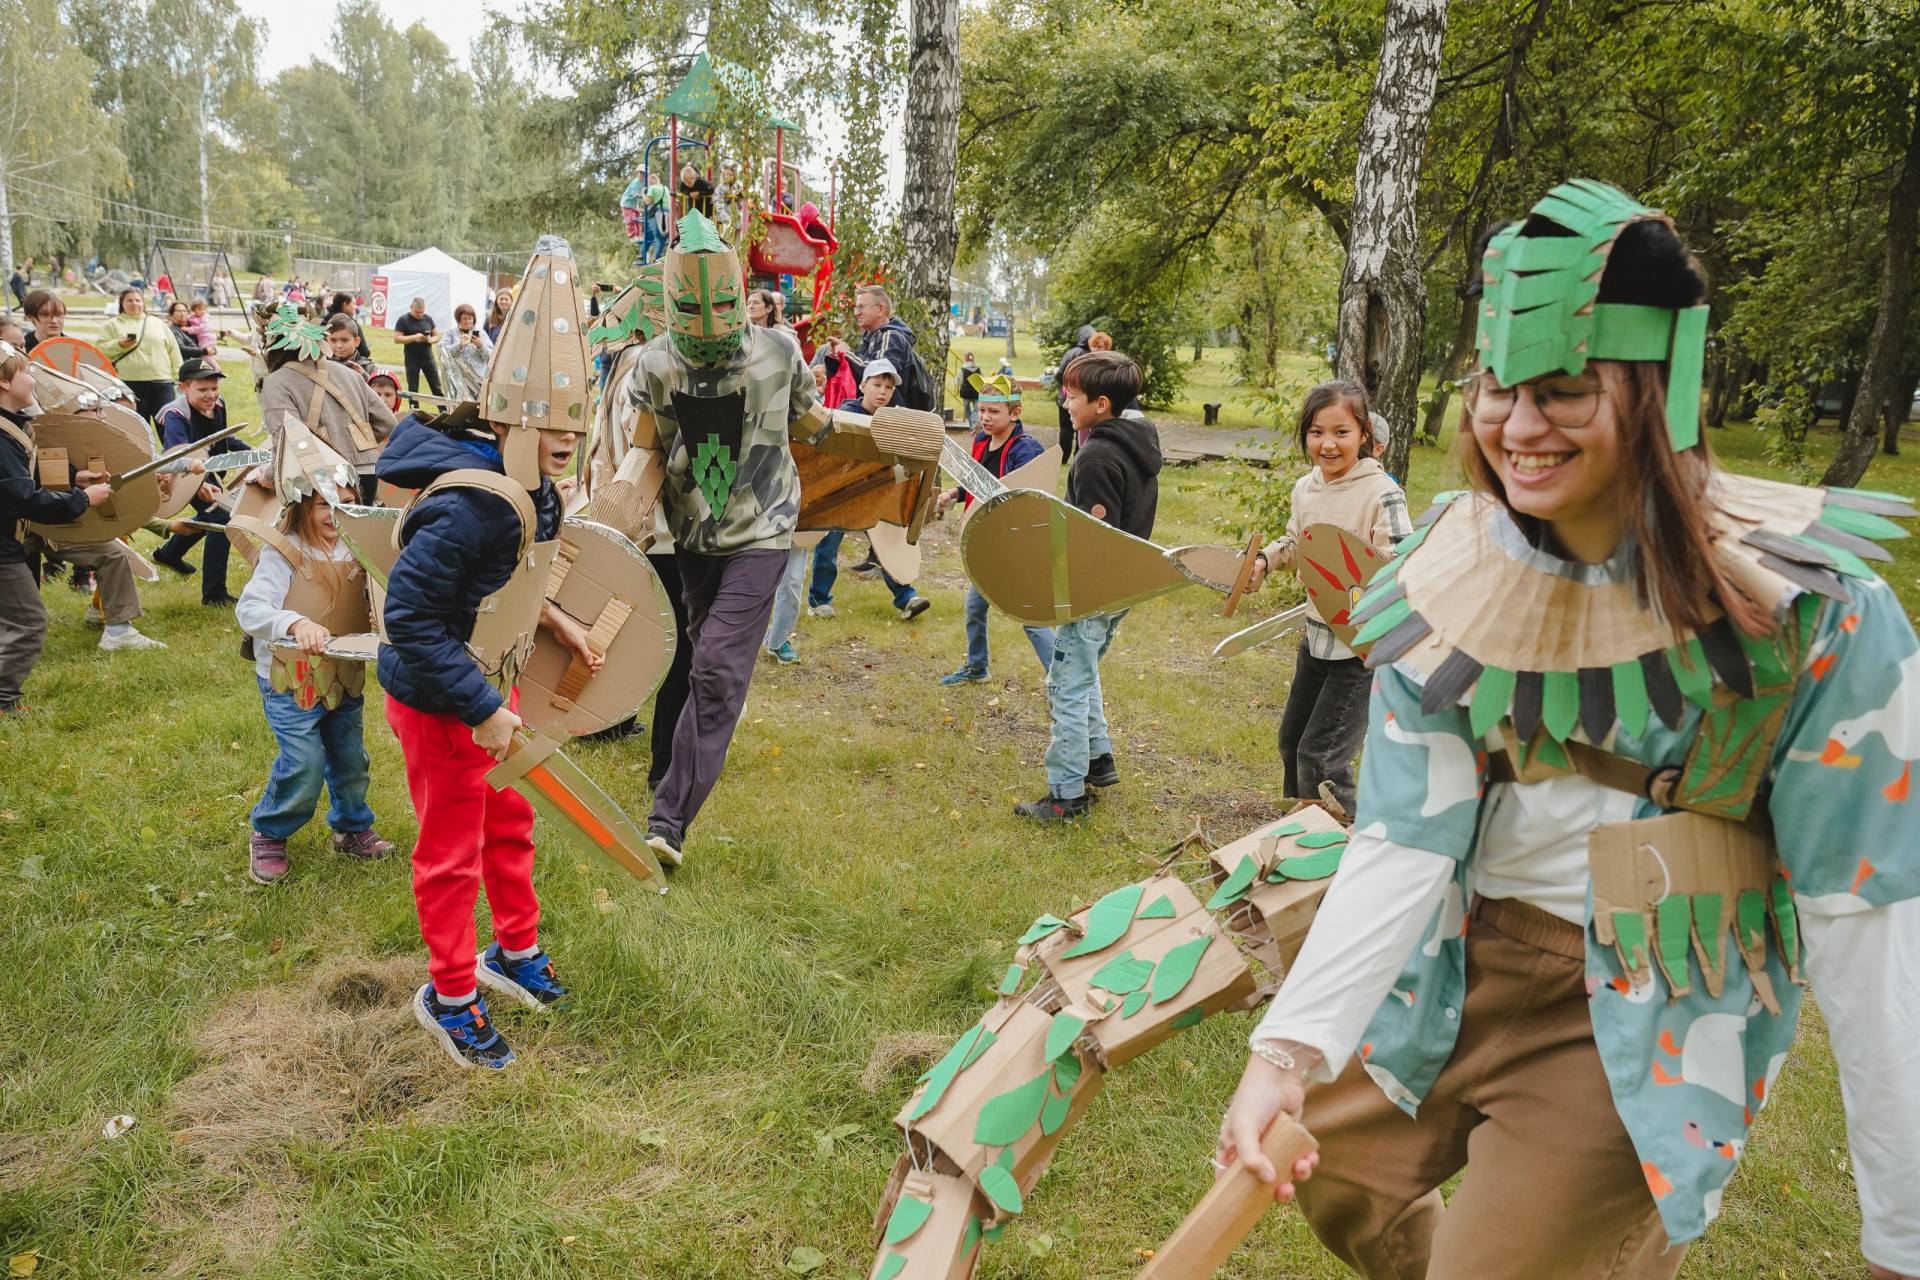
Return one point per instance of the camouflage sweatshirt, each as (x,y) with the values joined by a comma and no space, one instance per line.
(731,484)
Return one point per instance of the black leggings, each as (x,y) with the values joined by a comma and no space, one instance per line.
(151,397)
(673,690)
(1324,725)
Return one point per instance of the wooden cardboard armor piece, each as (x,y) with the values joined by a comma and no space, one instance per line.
(65,443)
(539,377)
(929,1225)
(601,580)
(1336,565)
(330,593)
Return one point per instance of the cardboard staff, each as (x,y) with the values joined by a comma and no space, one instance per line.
(1228,1211)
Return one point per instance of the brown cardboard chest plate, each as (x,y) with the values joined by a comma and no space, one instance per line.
(607,585)
(850,493)
(88,440)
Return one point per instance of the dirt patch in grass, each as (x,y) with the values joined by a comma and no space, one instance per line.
(901,1050)
(294,1064)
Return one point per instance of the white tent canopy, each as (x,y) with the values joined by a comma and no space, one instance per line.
(441,279)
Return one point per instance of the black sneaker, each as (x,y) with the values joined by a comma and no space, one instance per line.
(865,568)
(1101,772)
(464,1032)
(174,563)
(81,579)
(914,608)
(1053,808)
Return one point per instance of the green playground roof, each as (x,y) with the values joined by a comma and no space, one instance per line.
(711,82)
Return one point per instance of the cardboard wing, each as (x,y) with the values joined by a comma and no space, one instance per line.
(1270,882)
(928,1226)
(1170,967)
(1335,568)
(601,580)
(1001,1100)
(65,443)
(1045,563)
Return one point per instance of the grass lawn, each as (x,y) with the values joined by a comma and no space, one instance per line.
(721,1092)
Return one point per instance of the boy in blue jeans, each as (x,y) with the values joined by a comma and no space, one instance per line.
(876,393)
(1001,445)
(1115,478)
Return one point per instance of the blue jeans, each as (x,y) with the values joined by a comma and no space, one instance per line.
(315,745)
(786,597)
(1040,637)
(826,568)
(1073,701)
(653,239)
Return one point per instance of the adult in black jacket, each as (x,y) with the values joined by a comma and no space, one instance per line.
(882,337)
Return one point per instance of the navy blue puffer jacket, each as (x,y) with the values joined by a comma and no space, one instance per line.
(460,547)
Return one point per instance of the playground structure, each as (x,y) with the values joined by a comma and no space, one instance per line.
(337,275)
(193,269)
(780,245)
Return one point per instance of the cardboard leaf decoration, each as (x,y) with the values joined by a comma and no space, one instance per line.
(1176,968)
(908,1217)
(1066,1028)
(1191,1018)
(1236,884)
(1321,839)
(958,1059)
(1054,1114)
(1001,1188)
(1006,1118)
(1066,1071)
(1011,983)
(893,1266)
(1312,866)
(1133,1004)
(1123,974)
(1041,928)
(1107,921)
(1160,909)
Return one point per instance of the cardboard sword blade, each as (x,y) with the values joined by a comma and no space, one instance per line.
(555,785)
(175,454)
(218,462)
(1262,632)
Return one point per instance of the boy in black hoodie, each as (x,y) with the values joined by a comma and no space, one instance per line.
(1115,479)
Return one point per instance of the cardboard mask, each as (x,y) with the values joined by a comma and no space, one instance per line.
(539,375)
(705,294)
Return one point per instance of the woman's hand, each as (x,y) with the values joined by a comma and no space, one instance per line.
(1265,1091)
(495,734)
(310,636)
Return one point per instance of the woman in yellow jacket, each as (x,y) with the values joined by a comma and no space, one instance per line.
(143,353)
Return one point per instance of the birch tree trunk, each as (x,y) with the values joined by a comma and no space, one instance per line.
(1382,294)
(6,227)
(932,138)
(1861,426)
(200,130)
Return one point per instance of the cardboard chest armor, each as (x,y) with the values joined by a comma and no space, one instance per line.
(334,595)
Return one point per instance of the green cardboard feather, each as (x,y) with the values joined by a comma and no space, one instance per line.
(909,1215)
(1005,1118)
(1001,1189)
(1044,927)
(1492,694)
(1176,968)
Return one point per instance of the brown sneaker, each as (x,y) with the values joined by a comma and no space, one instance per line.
(266,859)
(361,844)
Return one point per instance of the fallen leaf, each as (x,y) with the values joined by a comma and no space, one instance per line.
(33,867)
(1143,1254)
(806,1260)
(118,1126)
(568,1239)
(774,751)
(23,1264)
(652,1138)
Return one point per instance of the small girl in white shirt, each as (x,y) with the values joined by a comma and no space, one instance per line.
(307,588)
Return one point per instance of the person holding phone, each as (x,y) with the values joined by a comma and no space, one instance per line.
(143,352)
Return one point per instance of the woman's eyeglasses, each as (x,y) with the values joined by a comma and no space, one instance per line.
(1563,401)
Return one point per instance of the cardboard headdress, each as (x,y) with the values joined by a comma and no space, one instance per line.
(998,389)
(288,328)
(307,465)
(1540,309)
(705,293)
(538,379)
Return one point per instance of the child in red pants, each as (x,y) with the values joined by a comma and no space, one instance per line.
(460,545)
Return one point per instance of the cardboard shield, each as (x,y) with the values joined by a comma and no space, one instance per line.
(1045,563)
(838,492)
(65,354)
(601,580)
(65,443)
(1335,568)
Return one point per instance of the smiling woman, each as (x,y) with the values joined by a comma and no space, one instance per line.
(1609,647)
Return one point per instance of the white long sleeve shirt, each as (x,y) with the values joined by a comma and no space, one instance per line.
(262,612)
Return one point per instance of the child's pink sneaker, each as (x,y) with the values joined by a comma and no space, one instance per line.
(266,859)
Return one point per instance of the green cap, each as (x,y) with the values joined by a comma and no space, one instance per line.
(1539,312)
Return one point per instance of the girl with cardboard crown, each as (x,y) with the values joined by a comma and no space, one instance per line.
(305,592)
(1627,704)
(1326,715)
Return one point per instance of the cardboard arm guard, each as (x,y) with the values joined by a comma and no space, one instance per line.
(909,438)
(1228,1211)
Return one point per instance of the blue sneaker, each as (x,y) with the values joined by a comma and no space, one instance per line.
(786,653)
(530,981)
(965,675)
(464,1033)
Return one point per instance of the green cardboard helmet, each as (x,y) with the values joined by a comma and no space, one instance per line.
(1540,309)
(705,293)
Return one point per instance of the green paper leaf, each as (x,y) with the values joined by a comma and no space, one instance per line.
(1005,1119)
(1285,829)
(1630,703)
(1160,908)
(1691,672)
(1133,1004)
(1123,974)
(957,1059)
(1750,919)
(1560,703)
(1011,982)
(1322,839)
(806,1260)
(1673,923)
(1630,935)
(992,1234)
(1176,968)
(1066,1071)
(1312,866)
(909,1215)
(981,1044)
(1002,1190)
(1062,1032)
(1006,1160)
(1844,560)
(1041,928)
(893,1266)
(971,1237)
(1787,923)
(1107,921)
(1235,884)
(1492,694)
(1191,1018)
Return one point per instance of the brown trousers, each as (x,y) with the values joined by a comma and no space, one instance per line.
(112,574)
(1553,1187)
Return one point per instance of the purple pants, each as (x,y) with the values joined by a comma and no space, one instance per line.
(728,600)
